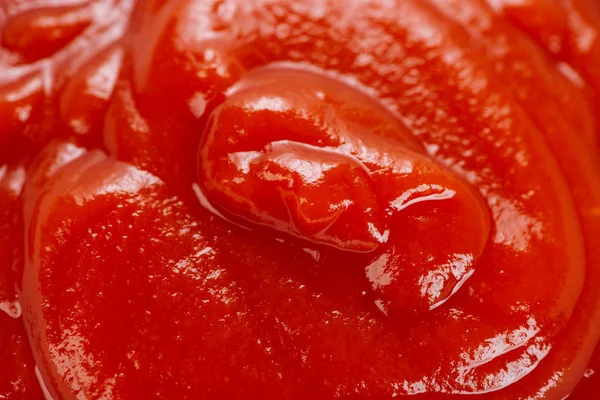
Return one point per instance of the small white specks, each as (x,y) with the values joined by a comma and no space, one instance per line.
(313,253)
(270,104)
(204,251)
(209,55)
(23,113)
(571,74)
(79,126)
(589,372)
(363,60)
(215,274)
(197,104)
(382,307)
(381,237)
(11,308)
(244,159)
(377,272)
(417,195)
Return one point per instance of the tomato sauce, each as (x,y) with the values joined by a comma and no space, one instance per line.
(276,199)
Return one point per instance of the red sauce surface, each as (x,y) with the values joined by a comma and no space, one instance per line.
(277,199)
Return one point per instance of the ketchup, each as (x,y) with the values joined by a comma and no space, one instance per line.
(277,199)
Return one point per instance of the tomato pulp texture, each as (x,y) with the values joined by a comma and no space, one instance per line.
(278,199)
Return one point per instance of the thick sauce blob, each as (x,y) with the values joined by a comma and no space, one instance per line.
(315,159)
(275,199)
